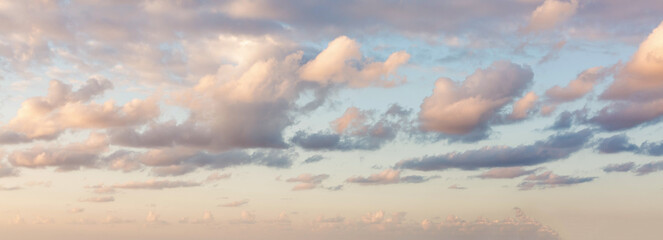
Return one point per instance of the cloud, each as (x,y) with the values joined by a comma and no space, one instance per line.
(523,106)
(76,210)
(314,158)
(649,168)
(66,158)
(245,218)
(388,176)
(357,130)
(506,172)
(556,147)
(153,218)
(551,13)
(521,225)
(615,144)
(47,117)
(97,199)
(334,65)
(578,87)
(235,203)
(307,181)
(550,180)
(623,167)
(457,187)
(156,184)
(640,78)
(460,109)
(8,171)
(216,177)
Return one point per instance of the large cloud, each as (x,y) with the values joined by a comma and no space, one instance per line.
(556,147)
(47,117)
(460,109)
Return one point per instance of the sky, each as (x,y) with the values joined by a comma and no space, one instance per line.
(255,119)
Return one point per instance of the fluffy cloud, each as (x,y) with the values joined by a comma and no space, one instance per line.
(460,109)
(637,91)
(46,117)
(615,144)
(357,130)
(549,180)
(389,176)
(649,168)
(307,181)
(575,89)
(506,172)
(523,106)
(551,13)
(556,147)
(66,158)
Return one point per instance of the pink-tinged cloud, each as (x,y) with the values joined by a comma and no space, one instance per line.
(307,181)
(334,66)
(641,78)
(65,158)
(235,203)
(507,172)
(524,106)
(549,180)
(578,87)
(551,13)
(460,109)
(388,176)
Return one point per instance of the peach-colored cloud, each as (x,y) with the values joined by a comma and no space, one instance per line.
(524,106)
(66,158)
(462,108)
(97,199)
(336,63)
(307,181)
(641,77)
(551,13)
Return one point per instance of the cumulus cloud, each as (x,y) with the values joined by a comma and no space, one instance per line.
(156,184)
(65,158)
(556,147)
(649,168)
(334,65)
(460,109)
(245,218)
(549,180)
(307,181)
(153,218)
(551,13)
(637,91)
(388,176)
(357,130)
(47,117)
(506,172)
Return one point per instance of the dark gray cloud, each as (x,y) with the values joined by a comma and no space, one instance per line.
(615,144)
(622,167)
(314,158)
(558,146)
(563,121)
(549,180)
(652,149)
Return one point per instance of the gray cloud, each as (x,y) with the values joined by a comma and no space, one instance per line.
(622,167)
(507,172)
(314,158)
(549,180)
(649,168)
(156,184)
(388,176)
(615,144)
(556,147)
